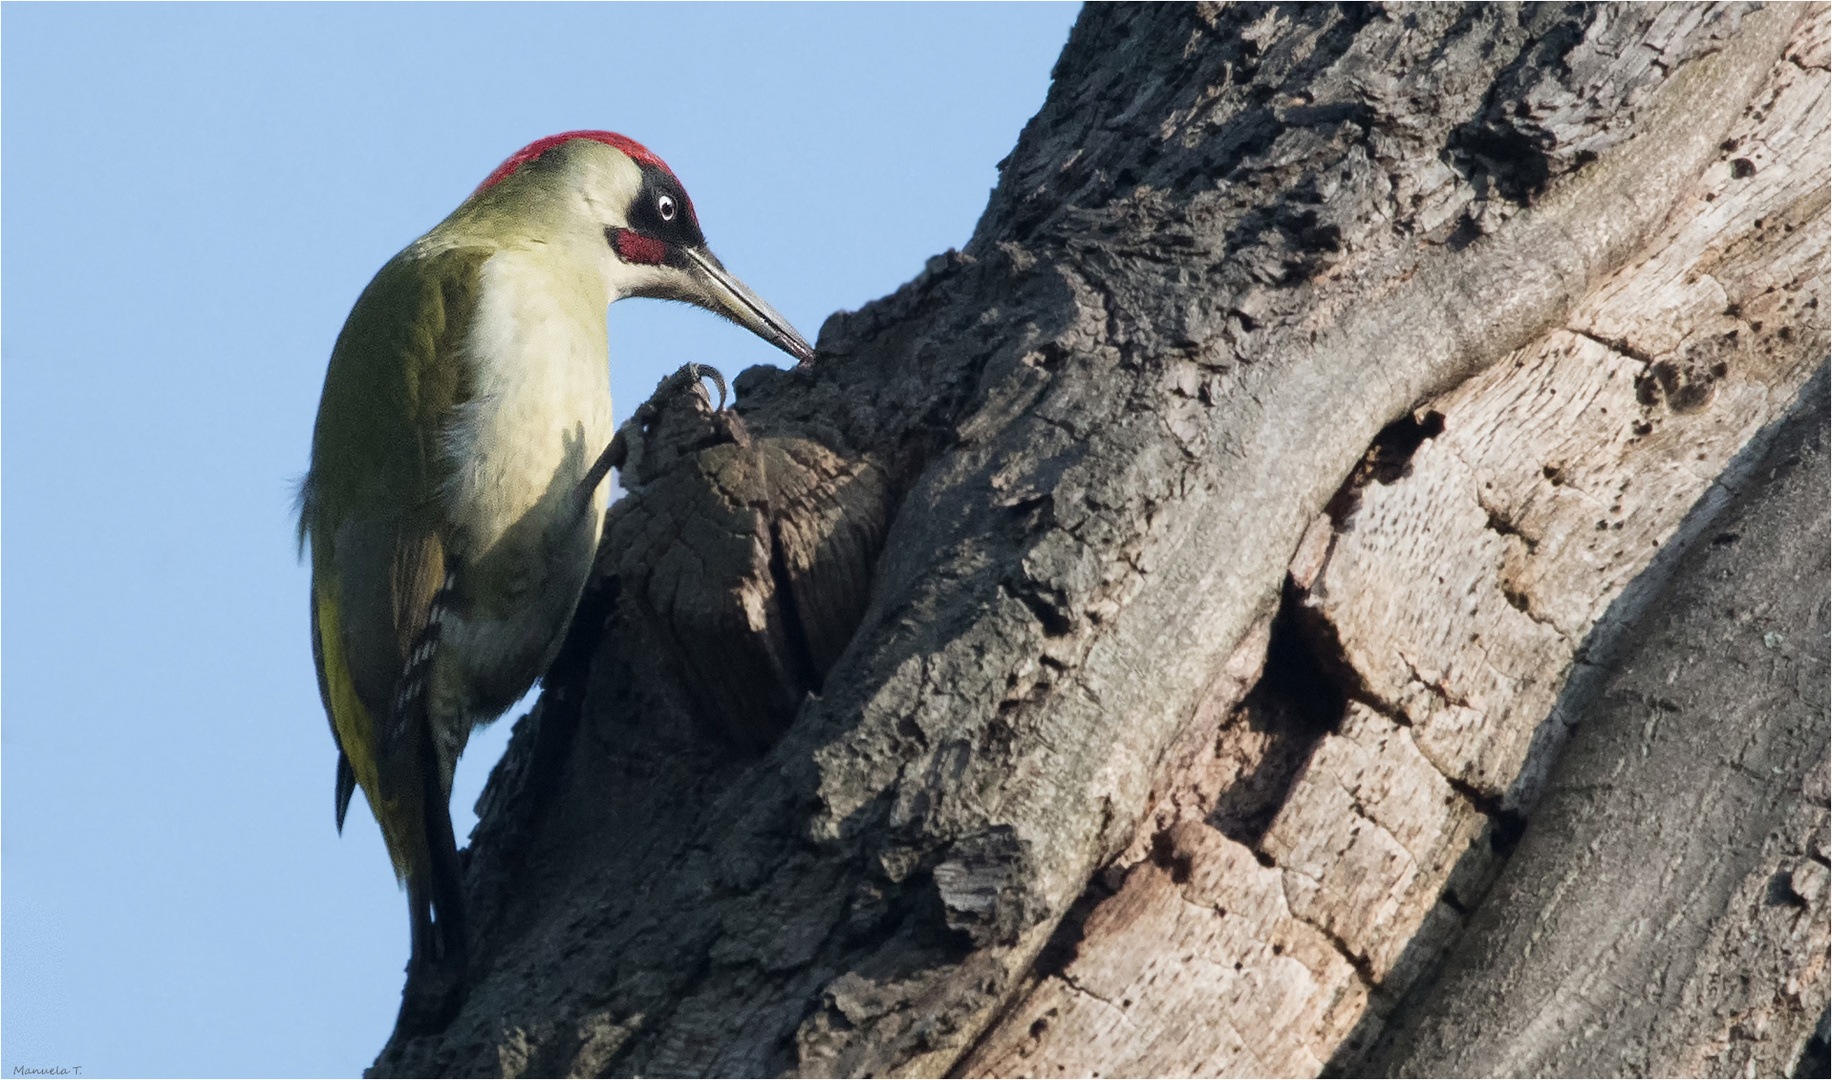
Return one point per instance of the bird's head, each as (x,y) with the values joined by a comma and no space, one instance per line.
(607,194)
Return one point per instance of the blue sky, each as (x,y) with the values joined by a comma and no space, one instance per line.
(193,197)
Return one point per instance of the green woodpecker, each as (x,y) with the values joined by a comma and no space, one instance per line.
(454,501)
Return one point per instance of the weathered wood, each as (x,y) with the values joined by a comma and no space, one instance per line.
(1183,930)
(1666,913)
(1071,464)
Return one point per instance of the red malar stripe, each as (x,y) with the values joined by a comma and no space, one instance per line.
(636,248)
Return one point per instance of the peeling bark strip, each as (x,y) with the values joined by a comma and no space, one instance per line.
(886,669)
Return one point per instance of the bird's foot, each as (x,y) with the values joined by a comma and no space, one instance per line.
(687,375)
(626,449)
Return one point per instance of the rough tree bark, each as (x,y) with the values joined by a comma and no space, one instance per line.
(1137,645)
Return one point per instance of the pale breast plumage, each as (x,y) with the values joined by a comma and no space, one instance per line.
(540,409)
(538,417)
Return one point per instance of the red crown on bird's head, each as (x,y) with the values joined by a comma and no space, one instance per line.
(632,149)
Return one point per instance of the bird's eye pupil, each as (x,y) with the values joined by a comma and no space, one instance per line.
(665,204)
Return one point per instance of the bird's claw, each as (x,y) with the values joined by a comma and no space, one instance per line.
(626,446)
(698,372)
(686,375)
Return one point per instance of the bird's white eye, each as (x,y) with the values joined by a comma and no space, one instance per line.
(665,205)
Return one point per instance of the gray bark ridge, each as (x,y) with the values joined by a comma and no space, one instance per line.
(1061,475)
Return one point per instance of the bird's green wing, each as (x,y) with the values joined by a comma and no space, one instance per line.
(369,510)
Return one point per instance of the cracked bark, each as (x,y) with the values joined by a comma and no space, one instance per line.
(1137,645)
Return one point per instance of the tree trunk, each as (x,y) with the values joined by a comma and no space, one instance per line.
(1138,645)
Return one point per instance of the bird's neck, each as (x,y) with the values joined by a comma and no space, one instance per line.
(555,243)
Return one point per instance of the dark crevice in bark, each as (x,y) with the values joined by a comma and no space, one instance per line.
(1515,162)
(1300,697)
(1506,825)
(803,670)
(1305,665)
(1501,526)
(1389,457)
(1049,613)
(1364,968)
(1621,346)
(1165,856)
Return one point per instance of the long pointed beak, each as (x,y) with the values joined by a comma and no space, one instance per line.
(738,303)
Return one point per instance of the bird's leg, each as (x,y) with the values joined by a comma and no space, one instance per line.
(625,451)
